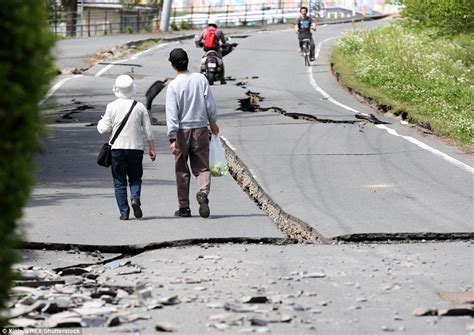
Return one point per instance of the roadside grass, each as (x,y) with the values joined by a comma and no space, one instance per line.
(422,76)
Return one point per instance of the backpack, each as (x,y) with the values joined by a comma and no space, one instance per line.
(210,41)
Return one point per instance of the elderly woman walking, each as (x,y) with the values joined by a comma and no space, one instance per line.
(128,148)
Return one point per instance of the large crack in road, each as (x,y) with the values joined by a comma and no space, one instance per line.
(251,104)
(297,230)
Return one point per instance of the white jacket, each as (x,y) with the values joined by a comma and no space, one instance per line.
(137,130)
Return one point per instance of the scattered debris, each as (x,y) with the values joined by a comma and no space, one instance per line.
(254,300)
(313,275)
(164,327)
(238,308)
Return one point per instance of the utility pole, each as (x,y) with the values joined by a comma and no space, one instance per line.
(165,15)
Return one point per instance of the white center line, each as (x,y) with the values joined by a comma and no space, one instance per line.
(391,131)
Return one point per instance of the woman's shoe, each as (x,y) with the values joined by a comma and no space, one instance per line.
(137,211)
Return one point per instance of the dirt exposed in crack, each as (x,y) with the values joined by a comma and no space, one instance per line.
(293,227)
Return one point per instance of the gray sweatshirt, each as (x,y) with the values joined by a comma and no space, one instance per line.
(189,103)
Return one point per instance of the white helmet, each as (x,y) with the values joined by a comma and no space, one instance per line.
(212,20)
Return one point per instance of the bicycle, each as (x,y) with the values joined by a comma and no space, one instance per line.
(305,51)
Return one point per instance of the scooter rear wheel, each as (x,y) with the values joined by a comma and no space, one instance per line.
(210,78)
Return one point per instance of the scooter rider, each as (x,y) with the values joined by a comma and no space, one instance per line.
(303,27)
(212,38)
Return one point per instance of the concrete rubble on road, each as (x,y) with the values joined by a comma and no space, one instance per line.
(73,297)
(213,288)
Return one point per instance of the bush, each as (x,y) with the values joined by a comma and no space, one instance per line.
(449,16)
(26,68)
(174,26)
(184,25)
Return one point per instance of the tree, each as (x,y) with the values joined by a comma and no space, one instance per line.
(451,16)
(26,67)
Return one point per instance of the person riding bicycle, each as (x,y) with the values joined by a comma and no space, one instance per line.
(303,26)
(212,38)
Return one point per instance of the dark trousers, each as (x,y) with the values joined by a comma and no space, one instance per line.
(301,37)
(192,144)
(127,163)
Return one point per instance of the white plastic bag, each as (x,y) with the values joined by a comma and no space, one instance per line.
(217,159)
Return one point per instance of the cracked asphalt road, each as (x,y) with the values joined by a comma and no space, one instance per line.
(337,179)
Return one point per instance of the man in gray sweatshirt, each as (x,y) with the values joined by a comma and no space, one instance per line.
(190,108)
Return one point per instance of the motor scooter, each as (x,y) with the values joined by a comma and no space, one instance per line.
(212,65)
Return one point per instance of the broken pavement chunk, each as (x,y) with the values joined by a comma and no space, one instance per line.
(254,300)
(63,319)
(227,318)
(119,263)
(22,322)
(114,321)
(74,271)
(459,300)
(169,301)
(104,291)
(129,270)
(51,308)
(238,308)
(313,275)
(425,311)
(258,321)
(164,327)
(300,308)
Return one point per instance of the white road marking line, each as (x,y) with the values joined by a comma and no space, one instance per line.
(391,131)
(57,86)
(315,85)
(428,148)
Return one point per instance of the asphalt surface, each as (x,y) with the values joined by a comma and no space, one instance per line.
(323,289)
(340,178)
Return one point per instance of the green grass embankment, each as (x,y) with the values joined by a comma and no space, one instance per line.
(424,77)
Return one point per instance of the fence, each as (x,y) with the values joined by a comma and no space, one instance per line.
(234,15)
(100,21)
(92,21)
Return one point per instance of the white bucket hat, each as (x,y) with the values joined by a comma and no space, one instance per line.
(124,87)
